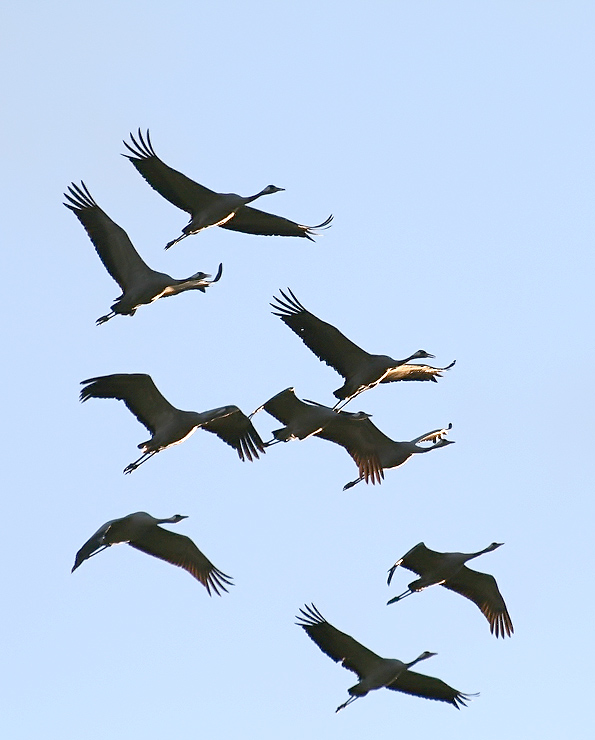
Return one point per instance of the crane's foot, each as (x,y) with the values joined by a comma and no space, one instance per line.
(351,484)
(103,319)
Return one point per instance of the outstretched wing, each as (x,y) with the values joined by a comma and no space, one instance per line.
(420,559)
(410,682)
(252,221)
(285,406)
(92,545)
(111,242)
(362,440)
(411,371)
(171,184)
(436,436)
(139,393)
(336,644)
(483,590)
(231,425)
(180,550)
(327,342)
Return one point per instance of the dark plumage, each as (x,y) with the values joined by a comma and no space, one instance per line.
(142,531)
(207,208)
(139,283)
(371,450)
(360,369)
(167,424)
(373,671)
(448,569)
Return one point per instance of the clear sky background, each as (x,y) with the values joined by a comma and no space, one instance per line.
(453,142)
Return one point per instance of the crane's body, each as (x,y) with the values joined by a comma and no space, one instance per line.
(140,284)
(304,419)
(142,531)
(371,449)
(206,207)
(168,425)
(360,369)
(373,671)
(448,569)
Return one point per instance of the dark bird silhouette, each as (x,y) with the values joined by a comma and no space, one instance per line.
(371,450)
(142,531)
(303,419)
(167,424)
(373,671)
(448,569)
(360,369)
(207,208)
(139,283)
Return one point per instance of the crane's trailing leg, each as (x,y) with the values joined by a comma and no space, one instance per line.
(175,241)
(345,704)
(103,319)
(398,598)
(353,483)
(137,463)
(342,402)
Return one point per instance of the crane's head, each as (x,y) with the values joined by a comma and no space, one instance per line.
(425,654)
(421,354)
(178,518)
(493,546)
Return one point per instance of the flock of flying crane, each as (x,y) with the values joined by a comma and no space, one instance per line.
(372,451)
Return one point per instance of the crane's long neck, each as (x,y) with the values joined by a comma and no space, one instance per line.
(172,519)
(424,656)
(414,356)
(264,191)
(489,548)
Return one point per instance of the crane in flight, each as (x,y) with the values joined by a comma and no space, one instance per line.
(206,207)
(169,425)
(373,671)
(142,531)
(448,569)
(140,284)
(371,449)
(360,369)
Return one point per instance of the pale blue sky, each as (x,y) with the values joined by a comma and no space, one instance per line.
(453,142)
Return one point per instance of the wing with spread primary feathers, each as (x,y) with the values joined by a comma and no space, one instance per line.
(336,644)
(180,550)
(137,390)
(327,342)
(171,184)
